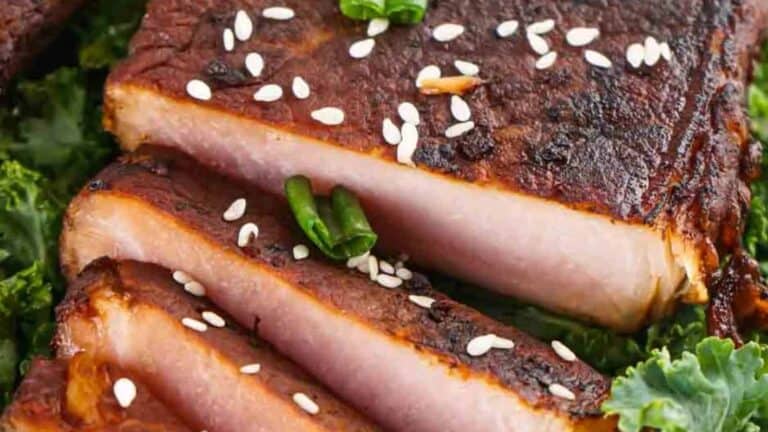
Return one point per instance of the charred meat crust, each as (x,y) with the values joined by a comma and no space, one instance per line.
(194,197)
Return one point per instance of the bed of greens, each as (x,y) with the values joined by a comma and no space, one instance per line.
(669,376)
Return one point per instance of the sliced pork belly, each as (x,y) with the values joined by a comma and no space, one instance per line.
(194,357)
(404,365)
(604,192)
(76,395)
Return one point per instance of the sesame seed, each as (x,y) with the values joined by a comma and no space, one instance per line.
(635,55)
(391,132)
(386,267)
(125,392)
(213,319)
(181,277)
(300,88)
(377,26)
(329,116)
(503,343)
(228,38)
(562,392)
(581,36)
(460,109)
(247,232)
(466,68)
(268,93)
(408,144)
(652,51)
(278,13)
(250,369)
(428,72)
(422,301)
(305,403)
(563,351)
(356,261)
(373,267)
(409,113)
(541,27)
(362,49)
(243,26)
(199,90)
(538,44)
(388,281)
(459,129)
(403,273)
(546,61)
(254,62)
(597,59)
(447,32)
(236,210)
(480,345)
(195,288)
(194,324)
(300,252)
(666,51)
(507,28)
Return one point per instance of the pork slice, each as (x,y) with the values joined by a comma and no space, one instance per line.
(404,365)
(134,315)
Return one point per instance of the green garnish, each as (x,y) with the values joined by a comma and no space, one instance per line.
(336,225)
(363,9)
(406,11)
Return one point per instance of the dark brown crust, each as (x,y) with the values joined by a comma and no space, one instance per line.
(194,197)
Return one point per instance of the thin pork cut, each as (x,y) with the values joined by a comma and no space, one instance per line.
(400,355)
(606,184)
(193,356)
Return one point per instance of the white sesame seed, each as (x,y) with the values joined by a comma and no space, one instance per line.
(194,324)
(503,343)
(300,88)
(377,26)
(250,369)
(278,13)
(666,51)
(409,113)
(541,27)
(480,345)
(254,62)
(329,116)
(391,132)
(460,109)
(563,351)
(459,129)
(422,301)
(597,59)
(635,55)
(356,261)
(268,93)
(386,267)
(652,51)
(305,403)
(546,61)
(538,44)
(466,68)
(388,281)
(243,26)
(373,267)
(428,72)
(507,28)
(228,38)
(213,319)
(195,288)
(562,392)
(236,210)
(181,277)
(300,252)
(403,273)
(247,232)
(363,267)
(362,48)
(447,32)
(199,90)
(408,144)
(125,392)
(581,36)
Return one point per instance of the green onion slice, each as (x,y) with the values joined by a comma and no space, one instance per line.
(363,9)
(406,11)
(336,225)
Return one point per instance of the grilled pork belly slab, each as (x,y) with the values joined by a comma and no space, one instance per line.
(76,395)
(404,365)
(194,357)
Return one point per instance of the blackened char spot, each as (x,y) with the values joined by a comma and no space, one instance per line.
(275,255)
(221,73)
(556,151)
(418,284)
(439,156)
(476,144)
(97,185)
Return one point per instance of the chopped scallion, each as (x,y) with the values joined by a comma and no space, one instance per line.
(406,11)
(363,9)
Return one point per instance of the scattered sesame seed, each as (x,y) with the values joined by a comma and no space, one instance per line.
(356,261)
(181,277)
(199,90)
(652,51)
(300,88)
(373,267)
(538,44)
(466,68)
(563,351)
(541,27)
(391,133)
(635,55)
(268,93)
(507,28)
(428,72)
(250,369)
(403,273)
(228,38)
(195,288)
(560,391)
(247,232)
(422,301)
(503,343)
(194,324)
(480,345)
(459,129)
(408,144)
(236,210)
(125,392)
(597,59)
(329,116)
(305,403)
(243,26)
(377,26)
(666,51)
(362,48)
(254,62)
(388,281)
(409,113)
(447,32)
(213,319)
(386,267)
(300,252)
(460,109)
(546,61)
(278,13)
(581,36)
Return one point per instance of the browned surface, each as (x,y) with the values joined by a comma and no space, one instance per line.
(174,185)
